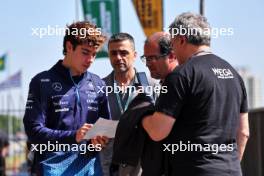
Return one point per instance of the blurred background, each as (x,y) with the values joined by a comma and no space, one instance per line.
(30,42)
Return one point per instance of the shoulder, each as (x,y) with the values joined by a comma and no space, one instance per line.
(154,83)
(201,66)
(96,79)
(37,84)
(177,76)
(108,78)
(41,77)
(182,71)
(95,76)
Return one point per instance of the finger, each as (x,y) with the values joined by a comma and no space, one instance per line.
(101,141)
(106,139)
(85,128)
(88,125)
(94,141)
(82,132)
(78,137)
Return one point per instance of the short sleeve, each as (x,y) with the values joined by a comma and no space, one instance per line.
(170,102)
(244,102)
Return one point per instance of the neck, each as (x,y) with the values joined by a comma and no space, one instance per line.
(172,66)
(124,78)
(66,63)
(192,50)
(202,48)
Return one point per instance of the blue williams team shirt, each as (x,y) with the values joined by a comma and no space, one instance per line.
(58,105)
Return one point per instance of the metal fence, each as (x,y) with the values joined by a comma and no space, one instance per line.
(253,161)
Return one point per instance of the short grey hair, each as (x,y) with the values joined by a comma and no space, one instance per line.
(196,25)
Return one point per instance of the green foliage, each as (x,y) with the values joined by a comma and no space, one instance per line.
(16,123)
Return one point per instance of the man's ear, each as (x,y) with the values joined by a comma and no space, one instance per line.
(135,55)
(69,46)
(182,39)
(171,57)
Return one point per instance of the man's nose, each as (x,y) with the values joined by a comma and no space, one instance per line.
(118,56)
(149,63)
(90,58)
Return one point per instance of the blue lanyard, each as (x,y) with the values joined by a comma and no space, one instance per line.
(119,99)
(76,90)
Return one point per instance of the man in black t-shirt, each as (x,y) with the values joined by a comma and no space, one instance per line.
(203,116)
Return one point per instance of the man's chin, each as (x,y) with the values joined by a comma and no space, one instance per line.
(155,76)
(121,70)
(85,68)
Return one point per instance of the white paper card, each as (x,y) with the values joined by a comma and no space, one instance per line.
(102,127)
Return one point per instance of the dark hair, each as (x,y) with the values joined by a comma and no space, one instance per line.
(3,140)
(118,37)
(165,45)
(83,32)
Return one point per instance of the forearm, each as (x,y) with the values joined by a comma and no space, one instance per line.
(242,134)
(242,139)
(158,125)
(41,134)
(35,118)
(148,125)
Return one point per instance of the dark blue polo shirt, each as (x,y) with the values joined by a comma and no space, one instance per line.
(58,105)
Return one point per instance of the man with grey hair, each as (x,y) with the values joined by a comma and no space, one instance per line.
(208,98)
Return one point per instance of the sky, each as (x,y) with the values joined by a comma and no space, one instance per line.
(33,54)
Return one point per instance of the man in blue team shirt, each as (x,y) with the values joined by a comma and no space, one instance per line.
(64,102)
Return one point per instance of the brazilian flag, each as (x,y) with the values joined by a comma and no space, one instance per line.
(2,62)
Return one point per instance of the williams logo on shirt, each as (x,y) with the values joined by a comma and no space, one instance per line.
(223,73)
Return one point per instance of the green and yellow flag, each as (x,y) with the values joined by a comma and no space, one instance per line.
(105,14)
(2,62)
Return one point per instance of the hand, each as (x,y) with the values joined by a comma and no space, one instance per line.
(103,140)
(82,131)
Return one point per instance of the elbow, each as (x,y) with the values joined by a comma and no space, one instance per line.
(245,134)
(155,131)
(152,133)
(156,136)
(32,133)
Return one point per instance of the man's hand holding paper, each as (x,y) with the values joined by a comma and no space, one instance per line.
(102,128)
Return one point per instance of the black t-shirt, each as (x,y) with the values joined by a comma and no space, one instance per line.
(205,96)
